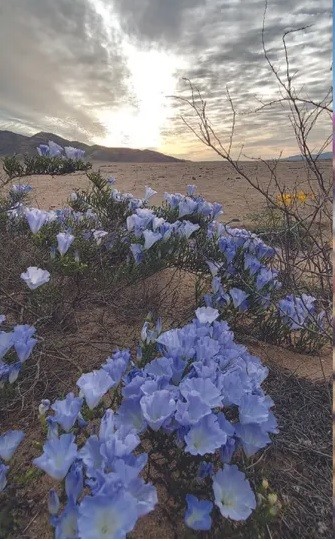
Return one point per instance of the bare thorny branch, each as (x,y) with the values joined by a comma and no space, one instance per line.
(316,224)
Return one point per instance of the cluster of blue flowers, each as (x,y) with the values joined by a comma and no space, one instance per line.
(243,263)
(105,494)
(146,226)
(19,190)
(194,386)
(52,150)
(202,389)
(300,312)
(21,339)
(192,204)
(239,261)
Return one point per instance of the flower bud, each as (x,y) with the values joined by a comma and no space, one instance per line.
(272,498)
(53,502)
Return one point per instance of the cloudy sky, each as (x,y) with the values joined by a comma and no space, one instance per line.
(102,71)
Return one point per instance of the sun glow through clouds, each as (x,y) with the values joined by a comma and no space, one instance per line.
(151,81)
(152,78)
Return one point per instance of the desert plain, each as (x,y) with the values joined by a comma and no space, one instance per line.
(215,180)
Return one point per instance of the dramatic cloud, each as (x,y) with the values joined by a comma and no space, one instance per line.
(221,43)
(58,65)
(64,62)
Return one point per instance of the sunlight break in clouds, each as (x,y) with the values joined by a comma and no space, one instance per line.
(152,78)
(150,81)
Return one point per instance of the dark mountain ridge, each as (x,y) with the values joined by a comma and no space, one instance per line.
(15,143)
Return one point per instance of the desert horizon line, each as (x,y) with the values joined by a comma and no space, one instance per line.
(174,155)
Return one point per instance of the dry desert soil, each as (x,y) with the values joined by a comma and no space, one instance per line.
(216,181)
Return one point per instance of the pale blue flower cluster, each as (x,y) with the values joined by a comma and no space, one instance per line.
(202,389)
(20,189)
(192,204)
(148,228)
(53,150)
(300,312)
(21,339)
(105,493)
(242,264)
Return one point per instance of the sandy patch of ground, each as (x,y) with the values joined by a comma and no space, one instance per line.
(216,181)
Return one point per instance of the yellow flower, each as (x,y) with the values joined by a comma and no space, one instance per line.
(302,197)
(285,198)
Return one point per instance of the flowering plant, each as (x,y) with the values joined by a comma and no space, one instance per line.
(198,400)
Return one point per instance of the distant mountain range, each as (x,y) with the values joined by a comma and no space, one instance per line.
(15,143)
(298,157)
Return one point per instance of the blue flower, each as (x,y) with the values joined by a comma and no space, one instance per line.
(74,480)
(121,443)
(207,314)
(227,450)
(265,277)
(239,297)
(74,153)
(130,415)
(233,494)
(9,441)
(252,438)
(23,341)
(188,228)
(54,149)
(251,263)
(186,206)
(151,237)
(190,412)
(107,425)
(66,525)
(66,411)
(43,150)
(137,251)
(158,407)
(13,371)
(20,188)
(214,268)
(44,406)
(205,469)
(64,241)
(3,479)
(116,365)
(205,437)
(90,453)
(203,388)
(145,496)
(94,385)
(35,277)
(149,192)
(197,515)
(36,219)
(295,311)
(253,409)
(107,517)
(52,428)
(58,455)
(6,342)
(53,502)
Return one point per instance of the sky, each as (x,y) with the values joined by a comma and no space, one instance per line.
(105,71)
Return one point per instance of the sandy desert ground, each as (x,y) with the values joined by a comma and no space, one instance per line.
(216,181)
